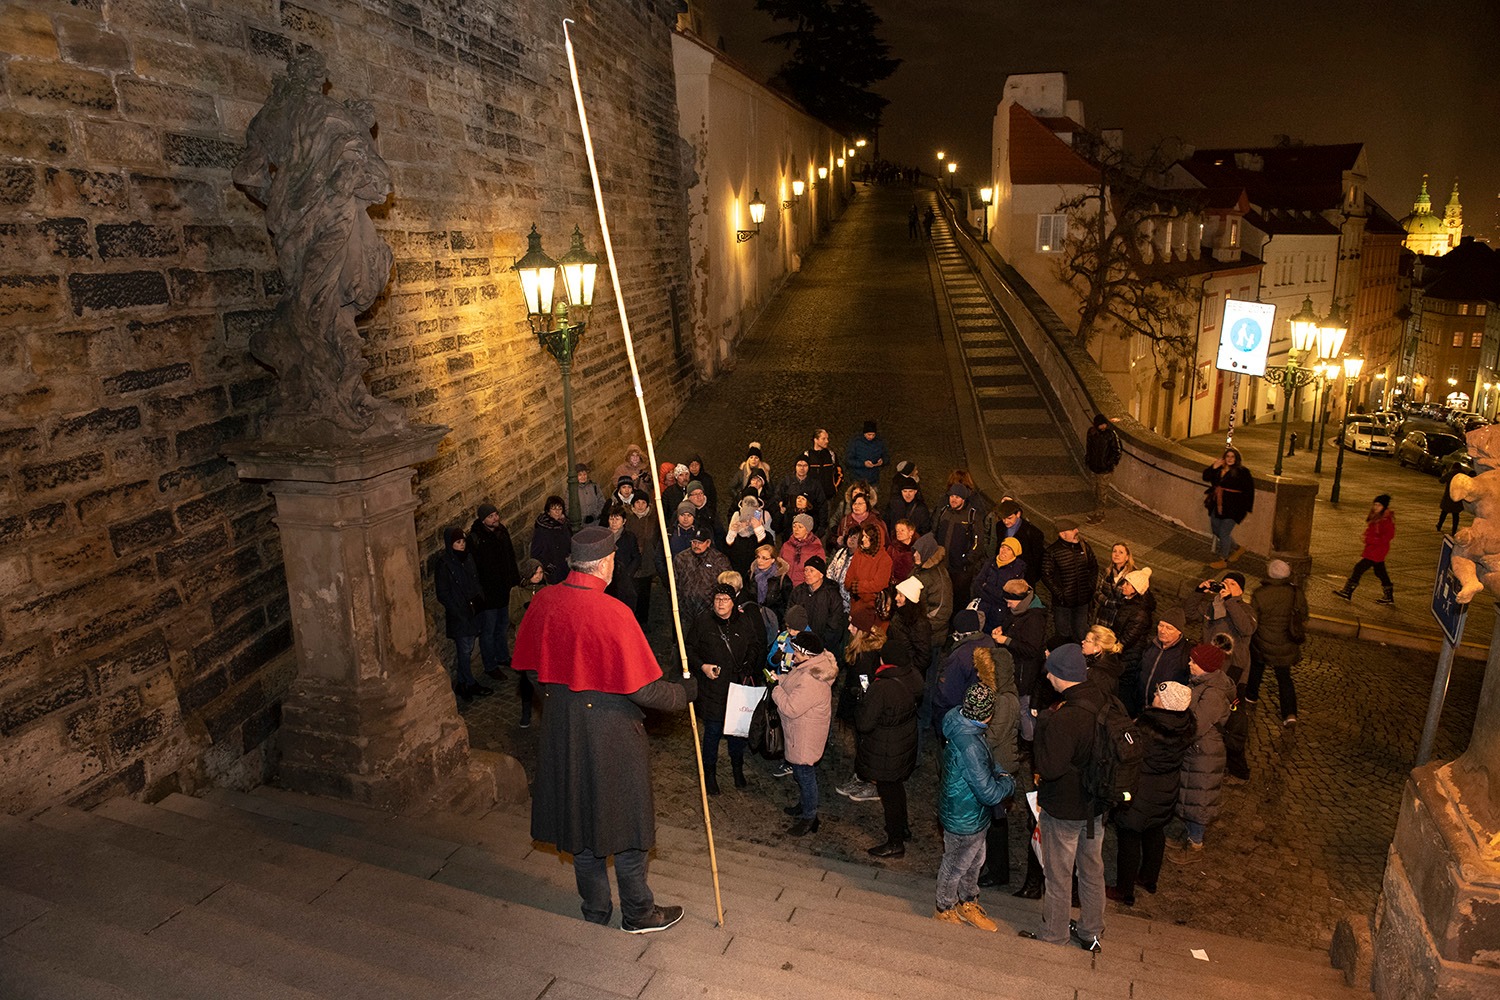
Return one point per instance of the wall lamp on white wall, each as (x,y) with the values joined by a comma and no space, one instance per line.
(841,163)
(822,173)
(757,216)
(798,186)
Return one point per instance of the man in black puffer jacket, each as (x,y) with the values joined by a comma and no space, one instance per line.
(1070,572)
(1168,729)
(886,751)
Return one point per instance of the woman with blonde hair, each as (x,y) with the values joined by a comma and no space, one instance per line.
(1101,651)
(1108,595)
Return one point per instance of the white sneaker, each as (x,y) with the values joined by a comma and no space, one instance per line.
(783,770)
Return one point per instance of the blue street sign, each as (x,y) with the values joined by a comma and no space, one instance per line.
(1246,336)
(1445,607)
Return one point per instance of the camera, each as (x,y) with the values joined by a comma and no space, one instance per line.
(1214,587)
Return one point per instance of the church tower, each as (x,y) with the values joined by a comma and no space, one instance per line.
(1426,233)
(1453,218)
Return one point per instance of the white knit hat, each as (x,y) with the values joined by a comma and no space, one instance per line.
(910,588)
(1174,697)
(1140,579)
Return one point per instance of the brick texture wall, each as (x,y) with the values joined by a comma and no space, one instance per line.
(144,633)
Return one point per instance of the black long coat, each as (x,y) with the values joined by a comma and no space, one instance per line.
(458,591)
(737,644)
(1280,608)
(1154,798)
(593,783)
(910,628)
(886,721)
(494,558)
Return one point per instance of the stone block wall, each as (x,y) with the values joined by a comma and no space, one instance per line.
(144,631)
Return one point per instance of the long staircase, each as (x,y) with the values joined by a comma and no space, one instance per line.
(276,894)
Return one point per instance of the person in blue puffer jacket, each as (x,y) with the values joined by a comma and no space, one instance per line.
(971,787)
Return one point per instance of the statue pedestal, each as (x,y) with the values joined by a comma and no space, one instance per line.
(371,715)
(1438,922)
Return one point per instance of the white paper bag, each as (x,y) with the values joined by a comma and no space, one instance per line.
(739,708)
(1036,828)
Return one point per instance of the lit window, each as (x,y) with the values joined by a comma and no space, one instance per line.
(1479,309)
(1051,231)
(1463,309)
(1477,339)
(1458,340)
(1234,232)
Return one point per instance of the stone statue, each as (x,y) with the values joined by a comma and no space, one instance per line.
(1476,551)
(311,162)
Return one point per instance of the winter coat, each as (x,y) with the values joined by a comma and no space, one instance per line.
(810,487)
(805,699)
(1133,626)
(678,538)
(776,589)
(1026,640)
(647,540)
(495,561)
(858,451)
(1070,572)
(1160,664)
(1033,547)
(593,782)
(1007,718)
(825,612)
(916,512)
(869,574)
(937,593)
(911,630)
(742,539)
(955,676)
(1168,735)
(1450,504)
(798,553)
(551,544)
(848,526)
(1231,491)
(458,591)
(903,560)
(886,720)
(1233,616)
(961,534)
(1064,743)
(971,783)
(520,597)
(696,576)
(989,588)
(627,562)
(591,503)
(1280,608)
(1108,596)
(1203,764)
(737,644)
(1379,532)
(1101,449)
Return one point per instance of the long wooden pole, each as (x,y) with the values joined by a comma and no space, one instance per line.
(640,399)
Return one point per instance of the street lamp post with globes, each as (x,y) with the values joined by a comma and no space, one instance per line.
(548,315)
(1353,362)
(987,198)
(1292,376)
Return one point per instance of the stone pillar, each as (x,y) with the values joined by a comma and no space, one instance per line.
(370,716)
(1438,922)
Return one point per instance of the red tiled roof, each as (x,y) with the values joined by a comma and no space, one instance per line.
(1037,156)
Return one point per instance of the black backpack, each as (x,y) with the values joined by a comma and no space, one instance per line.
(1114,764)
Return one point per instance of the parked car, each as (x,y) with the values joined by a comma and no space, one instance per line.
(1386,419)
(1415,423)
(1425,449)
(1369,438)
(1464,422)
(1456,461)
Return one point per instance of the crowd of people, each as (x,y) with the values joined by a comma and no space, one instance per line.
(955,624)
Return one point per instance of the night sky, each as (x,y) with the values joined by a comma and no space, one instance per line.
(1409,80)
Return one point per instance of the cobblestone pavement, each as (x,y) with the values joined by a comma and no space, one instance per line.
(855,334)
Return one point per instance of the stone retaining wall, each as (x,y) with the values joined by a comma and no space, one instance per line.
(144,635)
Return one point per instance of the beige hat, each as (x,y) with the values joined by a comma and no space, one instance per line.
(910,588)
(1140,579)
(1174,697)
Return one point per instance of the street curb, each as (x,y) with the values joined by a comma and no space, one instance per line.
(1364,631)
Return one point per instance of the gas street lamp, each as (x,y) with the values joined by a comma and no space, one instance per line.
(987,197)
(548,315)
(1291,376)
(1353,362)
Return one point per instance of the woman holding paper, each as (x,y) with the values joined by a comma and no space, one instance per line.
(725,647)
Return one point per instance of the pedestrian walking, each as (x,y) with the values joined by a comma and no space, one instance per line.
(1281,614)
(1070,570)
(592,798)
(913,219)
(1449,505)
(1380,530)
(1072,831)
(1141,824)
(1229,498)
(971,787)
(804,697)
(1101,453)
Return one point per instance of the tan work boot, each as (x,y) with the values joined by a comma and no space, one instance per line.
(948,916)
(973,914)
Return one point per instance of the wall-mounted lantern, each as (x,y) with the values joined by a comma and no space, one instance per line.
(798,186)
(822,173)
(757,216)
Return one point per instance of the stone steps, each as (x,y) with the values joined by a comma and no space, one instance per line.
(272,894)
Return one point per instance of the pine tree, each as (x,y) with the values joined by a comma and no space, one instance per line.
(836,57)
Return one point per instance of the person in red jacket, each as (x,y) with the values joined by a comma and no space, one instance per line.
(1380,528)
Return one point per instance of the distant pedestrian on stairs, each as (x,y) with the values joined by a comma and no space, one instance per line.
(912,232)
(1101,454)
(592,797)
(1380,530)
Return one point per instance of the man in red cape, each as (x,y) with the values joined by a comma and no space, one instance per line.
(593,785)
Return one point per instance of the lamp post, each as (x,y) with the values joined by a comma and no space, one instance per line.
(952,169)
(987,197)
(1291,376)
(1353,362)
(548,315)
(1331,334)
(1328,373)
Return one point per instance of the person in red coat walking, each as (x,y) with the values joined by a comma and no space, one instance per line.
(1380,528)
